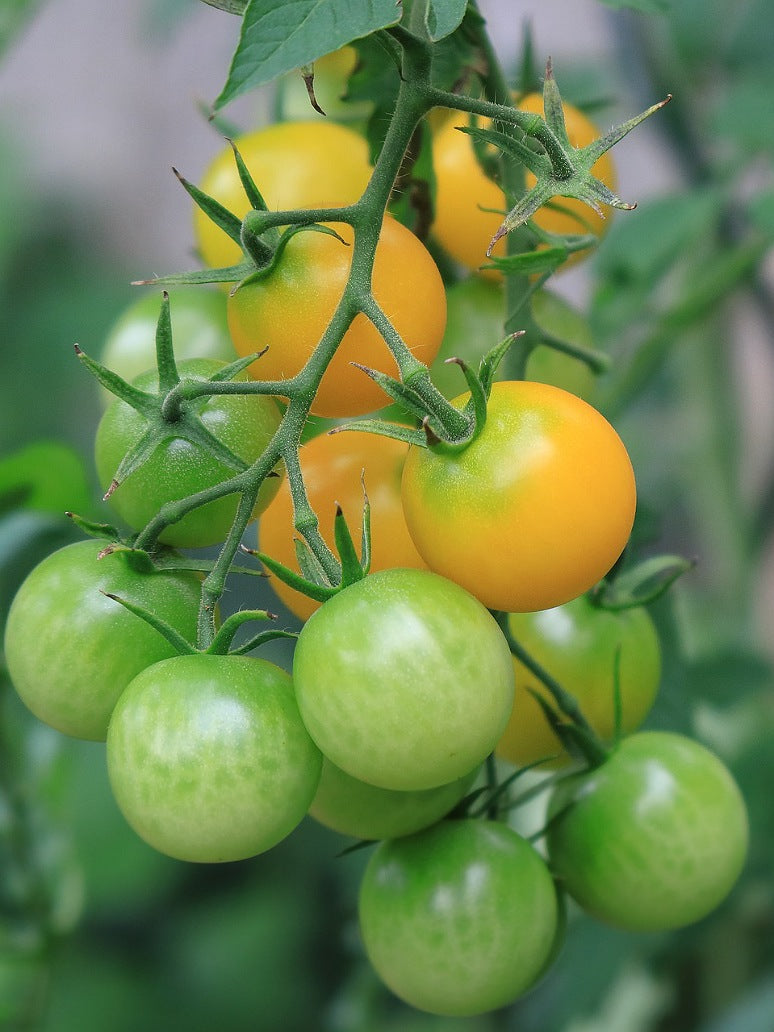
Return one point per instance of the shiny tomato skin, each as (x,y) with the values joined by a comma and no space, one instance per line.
(363,811)
(208,758)
(332,465)
(579,645)
(303,164)
(654,838)
(289,310)
(177,468)
(71,651)
(534,511)
(404,680)
(458,919)
(470,206)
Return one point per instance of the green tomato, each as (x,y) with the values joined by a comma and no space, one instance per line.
(364,811)
(208,758)
(580,645)
(71,651)
(404,680)
(475,314)
(654,838)
(199,330)
(177,468)
(460,918)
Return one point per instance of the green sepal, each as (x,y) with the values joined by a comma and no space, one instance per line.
(224,219)
(95,530)
(260,639)
(253,194)
(580,742)
(318,592)
(537,163)
(165,353)
(476,404)
(489,364)
(383,429)
(365,529)
(117,385)
(351,567)
(397,390)
(308,563)
(494,795)
(198,277)
(530,263)
(642,583)
(221,643)
(175,639)
(175,561)
(256,275)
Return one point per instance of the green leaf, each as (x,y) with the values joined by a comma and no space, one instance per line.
(229,6)
(276,38)
(644,6)
(442,17)
(14,14)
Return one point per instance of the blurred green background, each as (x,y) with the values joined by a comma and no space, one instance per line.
(97,930)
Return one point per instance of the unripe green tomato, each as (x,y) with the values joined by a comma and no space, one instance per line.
(199,330)
(71,651)
(177,468)
(208,758)
(404,680)
(475,313)
(458,919)
(355,808)
(583,647)
(652,839)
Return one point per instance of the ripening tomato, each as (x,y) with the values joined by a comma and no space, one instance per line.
(581,646)
(470,206)
(654,838)
(294,165)
(332,465)
(459,919)
(290,308)
(534,511)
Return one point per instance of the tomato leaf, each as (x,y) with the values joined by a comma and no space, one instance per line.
(276,38)
(442,17)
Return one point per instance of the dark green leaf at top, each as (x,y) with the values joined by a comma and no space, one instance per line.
(276,38)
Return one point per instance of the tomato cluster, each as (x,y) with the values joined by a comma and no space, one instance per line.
(464,630)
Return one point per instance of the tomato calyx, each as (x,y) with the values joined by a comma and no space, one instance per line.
(560,169)
(641,583)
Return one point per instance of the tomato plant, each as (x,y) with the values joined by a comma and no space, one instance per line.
(534,511)
(458,919)
(335,466)
(200,327)
(71,651)
(177,468)
(470,206)
(364,811)
(404,680)
(208,758)
(301,164)
(289,309)
(589,651)
(652,839)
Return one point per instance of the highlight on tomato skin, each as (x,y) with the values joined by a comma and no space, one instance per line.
(534,511)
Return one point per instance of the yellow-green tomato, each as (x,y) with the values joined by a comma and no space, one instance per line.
(584,648)
(364,811)
(404,680)
(208,758)
(458,919)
